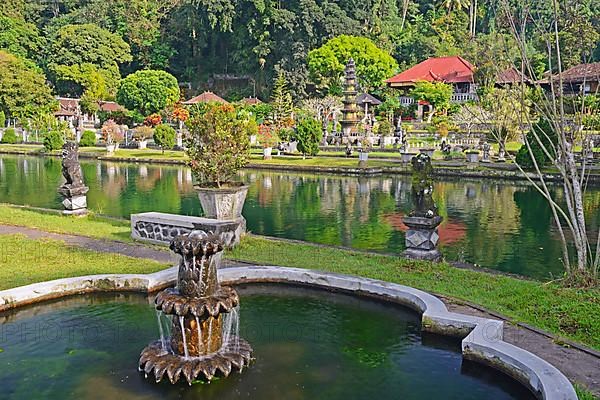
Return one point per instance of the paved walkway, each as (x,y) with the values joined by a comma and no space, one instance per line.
(578,365)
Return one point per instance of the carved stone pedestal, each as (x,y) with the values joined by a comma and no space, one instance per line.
(422,238)
(75,200)
(161,228)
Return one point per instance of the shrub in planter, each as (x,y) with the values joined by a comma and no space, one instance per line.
(112,134)
(164,136)
(53,140)
(88,139)
(217,145)
(141,134)
(10,136)
(267,136)
(308,135)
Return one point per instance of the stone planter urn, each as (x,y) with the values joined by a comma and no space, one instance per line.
(223,203)
(363,158)
(429,151)
(142,144)
(472,157)
(407,157)
(267,151)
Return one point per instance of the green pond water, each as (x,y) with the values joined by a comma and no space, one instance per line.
(503,225)
(308,344)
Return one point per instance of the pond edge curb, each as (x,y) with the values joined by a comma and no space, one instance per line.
(482,338)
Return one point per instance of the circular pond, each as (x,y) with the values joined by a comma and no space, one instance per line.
(308,344)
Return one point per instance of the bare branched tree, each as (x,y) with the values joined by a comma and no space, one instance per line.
(581,252)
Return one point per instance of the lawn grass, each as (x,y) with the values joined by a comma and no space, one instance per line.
(570,313)
(149,154)
(102,228)
(25,261)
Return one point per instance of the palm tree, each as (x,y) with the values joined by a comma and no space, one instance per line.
(455,4)
(452,5)
(405,5)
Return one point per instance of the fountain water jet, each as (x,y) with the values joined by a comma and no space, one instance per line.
(203,343)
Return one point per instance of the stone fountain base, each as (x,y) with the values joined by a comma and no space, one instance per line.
(232,357)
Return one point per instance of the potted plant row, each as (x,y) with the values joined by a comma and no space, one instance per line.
(218,146)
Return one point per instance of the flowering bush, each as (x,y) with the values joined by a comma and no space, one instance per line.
(153,120)
(180,114)
(111,132)
(217,145)
(267,136)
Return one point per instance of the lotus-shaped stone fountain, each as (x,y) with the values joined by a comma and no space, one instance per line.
(204,341)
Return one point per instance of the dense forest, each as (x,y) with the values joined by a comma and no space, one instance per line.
(239,46)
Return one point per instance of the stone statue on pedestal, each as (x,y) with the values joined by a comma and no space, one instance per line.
(422,236)
(73,190)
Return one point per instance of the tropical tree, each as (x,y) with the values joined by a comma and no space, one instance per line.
(327,63)
(437,94)
(20,38)
(86,58)
(509,112)
(148,91)
(282,102)
(23,89)
(308,135)
(323,110)
(164,136)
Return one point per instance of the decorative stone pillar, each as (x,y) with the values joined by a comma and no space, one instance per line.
(73,190)
(350,111)
(422,237)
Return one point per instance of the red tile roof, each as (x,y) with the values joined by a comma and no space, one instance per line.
(453,69)
(206,97)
